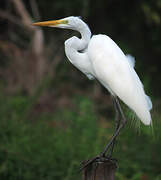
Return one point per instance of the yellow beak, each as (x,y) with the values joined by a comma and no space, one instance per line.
(51,23)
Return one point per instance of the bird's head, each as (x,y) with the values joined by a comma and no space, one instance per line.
(72,22)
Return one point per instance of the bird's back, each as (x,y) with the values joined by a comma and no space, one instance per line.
(113,69)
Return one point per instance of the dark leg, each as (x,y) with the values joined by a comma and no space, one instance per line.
(117,124)
(121,125)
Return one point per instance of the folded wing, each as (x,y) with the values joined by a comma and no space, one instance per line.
(116,73)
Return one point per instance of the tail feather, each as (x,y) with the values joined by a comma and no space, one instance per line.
(149,102)
(145,117)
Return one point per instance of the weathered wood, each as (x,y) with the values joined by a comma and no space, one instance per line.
(100,170)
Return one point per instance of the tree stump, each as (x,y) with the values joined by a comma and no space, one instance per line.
(100,170)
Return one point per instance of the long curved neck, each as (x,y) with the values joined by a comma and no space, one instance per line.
(85,37)
(74,43)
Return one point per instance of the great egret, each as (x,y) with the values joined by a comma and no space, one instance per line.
(99,57)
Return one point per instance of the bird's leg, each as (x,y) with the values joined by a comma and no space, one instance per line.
(117,124)
(120,122)
(120,126)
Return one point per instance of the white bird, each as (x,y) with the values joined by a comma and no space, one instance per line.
(99,57)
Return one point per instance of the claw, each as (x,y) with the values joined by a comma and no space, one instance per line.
(88,162)
(97,159)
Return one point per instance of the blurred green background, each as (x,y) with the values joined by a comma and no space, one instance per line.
(51,116)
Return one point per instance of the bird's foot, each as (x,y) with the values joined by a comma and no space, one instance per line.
(97,160)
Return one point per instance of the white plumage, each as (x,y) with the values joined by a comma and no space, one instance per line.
(99,57)
(116,73)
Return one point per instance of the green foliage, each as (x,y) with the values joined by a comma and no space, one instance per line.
(138,154)
(51,146)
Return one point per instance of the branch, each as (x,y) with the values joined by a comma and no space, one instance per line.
(21,10)
(24,15)
(38,38)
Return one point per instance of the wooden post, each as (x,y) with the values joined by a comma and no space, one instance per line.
(100,170)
